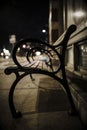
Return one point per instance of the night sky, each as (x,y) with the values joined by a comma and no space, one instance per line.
(24,18)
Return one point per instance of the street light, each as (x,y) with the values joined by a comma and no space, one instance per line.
(43,31)
(12,40)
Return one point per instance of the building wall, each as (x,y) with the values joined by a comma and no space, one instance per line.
(76,14)
(62,14)
(70,12)
(55,20)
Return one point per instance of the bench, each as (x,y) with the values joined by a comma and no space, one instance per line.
(33,56)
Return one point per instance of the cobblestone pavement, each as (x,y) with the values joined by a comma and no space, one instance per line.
(42,102)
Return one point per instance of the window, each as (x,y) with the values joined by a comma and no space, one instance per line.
(83,56)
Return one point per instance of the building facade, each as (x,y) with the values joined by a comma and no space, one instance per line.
(63,13)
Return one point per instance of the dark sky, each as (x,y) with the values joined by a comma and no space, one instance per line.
(25,18)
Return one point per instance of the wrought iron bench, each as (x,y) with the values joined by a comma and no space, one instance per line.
(33,56)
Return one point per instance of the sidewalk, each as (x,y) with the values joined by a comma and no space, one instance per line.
(42,102)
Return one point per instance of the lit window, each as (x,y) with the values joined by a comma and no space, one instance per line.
(83,56)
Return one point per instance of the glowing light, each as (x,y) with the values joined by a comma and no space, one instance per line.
(6,52)
(44,31)
(82,47)
(7,57)
(24,46)
(38,53)
(12,39)
(79,14)
(2,54)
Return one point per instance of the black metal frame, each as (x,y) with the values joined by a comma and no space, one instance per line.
(49,50)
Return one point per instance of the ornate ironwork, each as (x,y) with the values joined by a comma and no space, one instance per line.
(33,56)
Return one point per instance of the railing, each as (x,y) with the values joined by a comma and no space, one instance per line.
(33,56)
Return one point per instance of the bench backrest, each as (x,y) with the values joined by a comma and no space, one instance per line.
(33,53)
